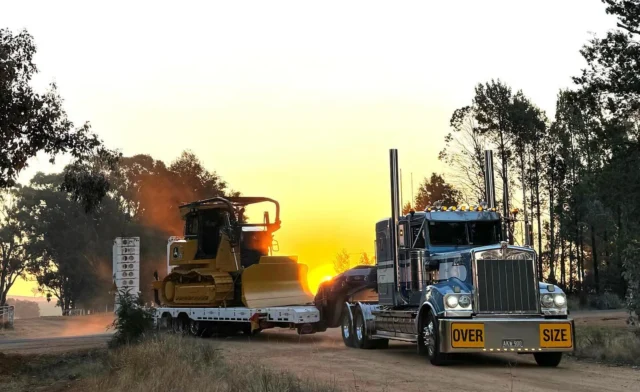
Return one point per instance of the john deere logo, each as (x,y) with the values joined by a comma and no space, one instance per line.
(176,253)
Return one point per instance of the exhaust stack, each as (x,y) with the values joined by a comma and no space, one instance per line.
(395,214)
(489,184)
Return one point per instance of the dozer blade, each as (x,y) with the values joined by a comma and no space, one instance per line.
(275,281)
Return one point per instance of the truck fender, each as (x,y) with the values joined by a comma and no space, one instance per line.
(425,307)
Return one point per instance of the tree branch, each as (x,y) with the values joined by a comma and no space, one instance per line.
(628,28)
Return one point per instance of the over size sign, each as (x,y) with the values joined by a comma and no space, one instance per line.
(467,335)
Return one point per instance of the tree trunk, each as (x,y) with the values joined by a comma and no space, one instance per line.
(581,258)
(606,251)
(571,265)
(3,297)
(552,249)
(594,259)
(505,186)
(619,242)
(563,278)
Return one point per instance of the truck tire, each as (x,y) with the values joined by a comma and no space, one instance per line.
(360,335)
(429,341)
(347,328)
(548,359)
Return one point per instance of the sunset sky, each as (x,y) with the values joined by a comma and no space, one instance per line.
(295,101)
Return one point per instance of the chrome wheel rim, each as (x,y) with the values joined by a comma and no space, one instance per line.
(429,338)
(345,328)
(359,331)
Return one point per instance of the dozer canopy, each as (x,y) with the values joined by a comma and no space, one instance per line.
(235,206)
(275,281)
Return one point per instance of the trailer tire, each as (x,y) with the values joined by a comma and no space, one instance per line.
(548,359)
(197,328)
(346,328)
(429,341)
(178,325)
(165,323)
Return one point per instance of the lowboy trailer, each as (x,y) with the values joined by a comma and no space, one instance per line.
(445,280)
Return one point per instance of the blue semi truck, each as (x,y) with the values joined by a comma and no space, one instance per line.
(447,280)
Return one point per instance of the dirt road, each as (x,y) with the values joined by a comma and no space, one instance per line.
(58,326)
(324,357)
(53,345)
(399,368)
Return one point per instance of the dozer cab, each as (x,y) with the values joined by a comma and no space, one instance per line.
(224,261)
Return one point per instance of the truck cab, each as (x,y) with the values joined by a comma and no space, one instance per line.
(447,280)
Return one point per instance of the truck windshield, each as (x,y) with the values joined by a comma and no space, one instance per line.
(464,233)
(484,232)
(447,233)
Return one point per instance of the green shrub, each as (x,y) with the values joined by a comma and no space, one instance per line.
(606,301)
(133,321)
(607,344)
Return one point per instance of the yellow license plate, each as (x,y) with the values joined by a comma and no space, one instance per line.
(467,335)
(556,335)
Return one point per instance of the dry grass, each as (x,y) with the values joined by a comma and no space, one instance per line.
(619,345)
(166,363)
(48,372)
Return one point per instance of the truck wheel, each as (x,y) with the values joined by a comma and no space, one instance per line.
(347,328)
(361,338)
(548,359)
(429,341)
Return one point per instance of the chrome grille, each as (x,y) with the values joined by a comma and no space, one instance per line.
(506,286)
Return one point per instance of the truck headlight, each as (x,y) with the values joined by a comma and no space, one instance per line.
(464,301)
(547,300)
(452,301)
(559,300)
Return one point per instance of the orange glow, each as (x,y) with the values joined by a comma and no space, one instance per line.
(319,274)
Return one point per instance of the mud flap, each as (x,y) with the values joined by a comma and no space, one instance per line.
(275,281)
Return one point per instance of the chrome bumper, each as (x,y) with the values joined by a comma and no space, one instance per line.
(506,335)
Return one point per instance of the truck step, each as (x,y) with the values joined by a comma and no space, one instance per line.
(404,337)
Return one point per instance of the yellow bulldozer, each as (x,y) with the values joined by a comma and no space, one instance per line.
(224,261)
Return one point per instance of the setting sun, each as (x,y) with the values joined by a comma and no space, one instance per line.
(319,274)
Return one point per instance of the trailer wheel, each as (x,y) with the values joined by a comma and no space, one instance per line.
(164,323)
(429,341)
(178,325)
(548,359)
(196,328)
(347,328)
